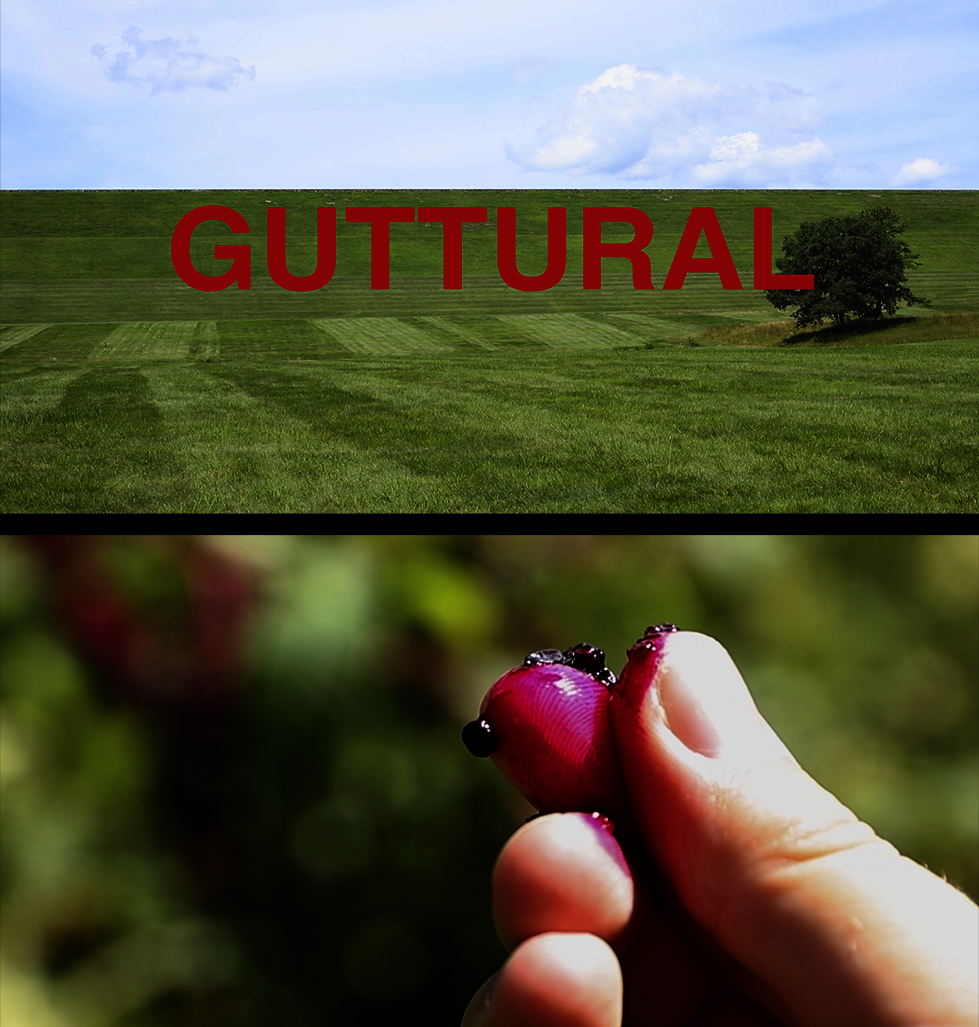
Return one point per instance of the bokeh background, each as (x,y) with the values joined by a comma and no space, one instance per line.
(233,790)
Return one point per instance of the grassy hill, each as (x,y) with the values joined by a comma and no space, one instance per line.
(125,389)
(103,256)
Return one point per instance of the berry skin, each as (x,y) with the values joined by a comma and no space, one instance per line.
(546,727)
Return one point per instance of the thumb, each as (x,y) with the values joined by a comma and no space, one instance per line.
(840,926)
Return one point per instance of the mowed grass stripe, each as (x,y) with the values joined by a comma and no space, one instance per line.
(947,289)
(206,341)
(474,442)
(447,332)
(101,450)
(163,299)
(657,433)
(862,428)
(650,328)
(63,342)
(446,446)
(329,342)
(570,331)
(31,393)
(490,331)
(469,441)
(317,444)
(247,454)
(460,329)
(56,301)
(161,340)
(12,335)
(297,337)
(381,335)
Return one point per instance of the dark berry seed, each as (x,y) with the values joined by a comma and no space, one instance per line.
(585,657)
(660,629)
(651,637)
(591,660)
(480,739)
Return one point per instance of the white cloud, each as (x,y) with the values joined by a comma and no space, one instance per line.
(924,169)
(168,64)
(638,123)
(743,158)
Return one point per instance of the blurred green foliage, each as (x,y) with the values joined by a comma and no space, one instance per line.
(354,858)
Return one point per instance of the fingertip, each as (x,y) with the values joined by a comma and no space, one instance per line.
(706,702)
(688,706)
(690,739)
(478,1011)
(558,980)
(562,872)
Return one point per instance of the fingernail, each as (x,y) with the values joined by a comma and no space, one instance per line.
(704,699)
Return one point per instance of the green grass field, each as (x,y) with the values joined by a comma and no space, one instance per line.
(124,390)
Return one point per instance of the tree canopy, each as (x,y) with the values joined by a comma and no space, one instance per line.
(858,263)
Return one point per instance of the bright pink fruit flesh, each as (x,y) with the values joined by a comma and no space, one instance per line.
(546,725)
(555,742)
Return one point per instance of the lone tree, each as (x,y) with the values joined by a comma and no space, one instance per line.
(858,264)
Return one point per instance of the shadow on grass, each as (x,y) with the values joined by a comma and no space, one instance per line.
(887,330)
(850,330)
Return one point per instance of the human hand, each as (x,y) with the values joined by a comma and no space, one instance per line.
(743,894)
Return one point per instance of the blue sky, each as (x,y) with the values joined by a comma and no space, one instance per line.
(524,94)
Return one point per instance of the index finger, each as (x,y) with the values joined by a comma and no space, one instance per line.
(562,872)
